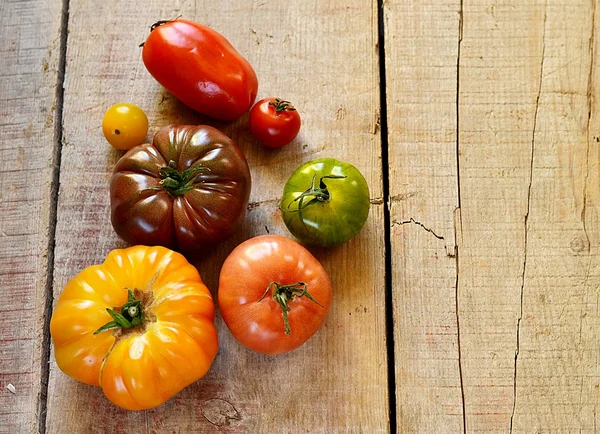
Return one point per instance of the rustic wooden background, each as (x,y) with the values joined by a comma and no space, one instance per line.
(470,302)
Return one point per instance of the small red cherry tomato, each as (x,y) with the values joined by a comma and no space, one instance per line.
(274,122)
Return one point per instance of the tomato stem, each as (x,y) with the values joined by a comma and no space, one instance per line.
(319,194)
(131,314)
(159,23)
(177,183)
(282,105)
(283,294)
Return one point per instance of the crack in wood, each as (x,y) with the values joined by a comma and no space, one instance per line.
(220,412)
(253,205)
(376,122)
(412,220)
(460,370)
(456,293)
(403,196)
(590,88)
(526,220)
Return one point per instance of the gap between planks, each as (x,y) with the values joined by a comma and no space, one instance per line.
(385,172)
(54,189)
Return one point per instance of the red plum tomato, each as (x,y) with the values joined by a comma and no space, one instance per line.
(201,68)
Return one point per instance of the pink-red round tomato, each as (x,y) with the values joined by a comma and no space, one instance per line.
(273,294)
(274,122)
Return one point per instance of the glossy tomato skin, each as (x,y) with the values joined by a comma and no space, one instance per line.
(246,274)
(201,68)
(141,367)
(330,222)
(124,126)
(275,123)
(196,220)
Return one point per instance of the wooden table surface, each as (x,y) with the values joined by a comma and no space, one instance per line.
(471,300)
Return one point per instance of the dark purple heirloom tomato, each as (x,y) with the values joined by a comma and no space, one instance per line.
(188,190)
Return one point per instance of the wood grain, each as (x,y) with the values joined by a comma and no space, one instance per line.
(29,48)
(494,196)
(421,47)
(528,217)
(556,378)
(496,124)
(321,55)
(513,85)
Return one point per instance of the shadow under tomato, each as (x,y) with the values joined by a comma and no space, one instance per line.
(259,220)
(168,110)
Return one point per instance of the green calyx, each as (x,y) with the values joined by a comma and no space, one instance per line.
(283,294)
(282,105)
(313,194)
(131,314)
(177,183)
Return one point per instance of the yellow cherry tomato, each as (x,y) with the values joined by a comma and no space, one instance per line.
(140,326)
(125,125)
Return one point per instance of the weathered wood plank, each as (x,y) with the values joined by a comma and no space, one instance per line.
(556,375)
(529,197)
(29,48)
(421,46)
(501,48)
(321,55)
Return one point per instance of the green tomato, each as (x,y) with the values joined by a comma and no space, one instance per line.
(325,202)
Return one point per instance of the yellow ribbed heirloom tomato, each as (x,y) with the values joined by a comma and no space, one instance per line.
(140,326)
